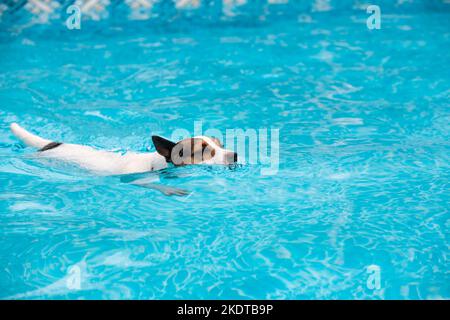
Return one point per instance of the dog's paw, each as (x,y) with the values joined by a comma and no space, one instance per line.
(175,192)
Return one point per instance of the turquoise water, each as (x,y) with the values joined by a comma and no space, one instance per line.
(363,177)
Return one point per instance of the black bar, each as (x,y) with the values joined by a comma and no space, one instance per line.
(225,309)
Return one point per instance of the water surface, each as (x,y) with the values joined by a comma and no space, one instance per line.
(364,158)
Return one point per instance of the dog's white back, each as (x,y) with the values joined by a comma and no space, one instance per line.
(97,161)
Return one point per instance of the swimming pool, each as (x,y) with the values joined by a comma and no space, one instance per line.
(363,177)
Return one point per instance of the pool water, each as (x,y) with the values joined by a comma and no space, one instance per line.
(363,179)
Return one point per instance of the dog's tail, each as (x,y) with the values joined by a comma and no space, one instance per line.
(28,138)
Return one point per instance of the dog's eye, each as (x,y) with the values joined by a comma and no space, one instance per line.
(181,153)
(210,151)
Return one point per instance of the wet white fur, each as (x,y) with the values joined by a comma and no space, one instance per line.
(106,162)
(97,161)
(28,138)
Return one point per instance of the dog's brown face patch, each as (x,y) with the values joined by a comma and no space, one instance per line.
(192,151)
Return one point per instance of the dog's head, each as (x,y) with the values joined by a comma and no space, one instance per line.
(196,150)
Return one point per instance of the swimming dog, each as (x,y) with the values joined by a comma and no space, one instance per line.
(196,150)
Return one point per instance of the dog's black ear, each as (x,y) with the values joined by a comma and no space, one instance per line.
(163,146)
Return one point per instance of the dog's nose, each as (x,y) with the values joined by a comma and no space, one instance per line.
(231,157)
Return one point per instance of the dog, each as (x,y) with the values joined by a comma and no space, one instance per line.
(196,150)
